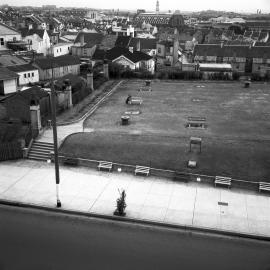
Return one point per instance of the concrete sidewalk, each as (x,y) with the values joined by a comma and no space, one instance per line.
(148,198)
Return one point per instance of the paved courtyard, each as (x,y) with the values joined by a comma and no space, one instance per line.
(148,198)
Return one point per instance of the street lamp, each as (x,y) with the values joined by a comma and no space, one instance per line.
(55,143)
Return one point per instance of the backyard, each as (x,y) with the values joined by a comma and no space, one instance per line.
(235,130)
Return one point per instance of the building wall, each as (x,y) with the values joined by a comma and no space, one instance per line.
(58,72)
(40,45)
(30,76)
(5,38)
(60,50)
(160,50)
(10,86)
(83,52)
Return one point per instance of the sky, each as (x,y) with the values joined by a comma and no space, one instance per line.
(149,5)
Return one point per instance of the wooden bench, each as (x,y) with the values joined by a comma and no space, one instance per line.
(196,124)
(221,180)
(142,170)
(105,165)
(135,101)
(145,89)
(264,186)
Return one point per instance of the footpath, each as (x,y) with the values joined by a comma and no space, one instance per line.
(149,199)
(154,199)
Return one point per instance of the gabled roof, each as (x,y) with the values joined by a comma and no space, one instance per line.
(122,41)
(145,43)
(99,54)
(232,51)
(22,68)
(6,74)
(134,57)
(90,39)
(7,30)
(29,32)
(108,41)
(60,61)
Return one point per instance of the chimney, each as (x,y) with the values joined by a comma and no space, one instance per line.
(131,49)
(90,82)
(106,69)
(175,50)
(82,39)
(222,44)
(138,45)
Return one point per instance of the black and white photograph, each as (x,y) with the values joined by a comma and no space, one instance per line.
(135,135)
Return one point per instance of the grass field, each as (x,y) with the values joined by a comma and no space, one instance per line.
(236,141)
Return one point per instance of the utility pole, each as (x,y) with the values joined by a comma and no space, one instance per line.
(55,143)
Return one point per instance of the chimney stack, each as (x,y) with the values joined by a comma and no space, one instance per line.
(82,38)
(90,82)
(138,45)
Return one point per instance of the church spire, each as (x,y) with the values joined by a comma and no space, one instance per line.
(157,7)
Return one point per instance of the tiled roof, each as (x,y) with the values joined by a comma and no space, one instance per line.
(90,39)
(7,30)
(6,74)
(34,92)
(29,32)
(99,54)
(22,68)
(122,41)
(108,41)
(232,51)
(60,61)
(145,43)
(11,60)
(153,19)
(135,57)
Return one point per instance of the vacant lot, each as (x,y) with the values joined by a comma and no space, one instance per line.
(235,142)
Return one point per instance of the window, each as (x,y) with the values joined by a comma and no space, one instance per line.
(14,39)
(60,49)
(33,74)
(2,41)
(29,75)
(24,75)
(159,50)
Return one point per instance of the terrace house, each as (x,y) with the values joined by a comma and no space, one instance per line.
(244,59)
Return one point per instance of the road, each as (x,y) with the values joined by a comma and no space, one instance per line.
(31,239)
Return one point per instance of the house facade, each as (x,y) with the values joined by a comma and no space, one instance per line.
(37,40)
(8,81)
(27,73)
(60,49)
(7,34)
(244,59)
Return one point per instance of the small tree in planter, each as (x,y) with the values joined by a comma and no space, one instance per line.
(121,204)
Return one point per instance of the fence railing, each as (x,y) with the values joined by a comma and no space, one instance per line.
(10,150)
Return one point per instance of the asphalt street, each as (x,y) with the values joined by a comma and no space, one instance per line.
(32,239)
